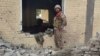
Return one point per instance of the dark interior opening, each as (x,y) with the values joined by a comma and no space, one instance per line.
(32,24)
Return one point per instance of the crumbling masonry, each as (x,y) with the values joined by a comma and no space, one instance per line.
(10,23)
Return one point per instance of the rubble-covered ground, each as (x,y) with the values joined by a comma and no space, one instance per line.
(91,49)
(7,49)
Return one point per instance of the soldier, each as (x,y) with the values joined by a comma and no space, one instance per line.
(59,24)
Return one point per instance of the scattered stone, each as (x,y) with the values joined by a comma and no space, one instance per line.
(92,49)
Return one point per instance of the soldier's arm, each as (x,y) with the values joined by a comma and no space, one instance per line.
(64,23)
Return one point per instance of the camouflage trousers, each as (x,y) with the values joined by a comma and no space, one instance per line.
(58,38)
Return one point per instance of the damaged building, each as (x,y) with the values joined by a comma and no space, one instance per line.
(19,21)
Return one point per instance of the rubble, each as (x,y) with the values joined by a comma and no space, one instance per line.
(6,49)
(91,49)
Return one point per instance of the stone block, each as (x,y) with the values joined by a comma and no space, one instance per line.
(94,49)
(87,55)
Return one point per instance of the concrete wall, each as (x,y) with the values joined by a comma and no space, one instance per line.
(10,23)
(75,11)
(96,25)
(10,11)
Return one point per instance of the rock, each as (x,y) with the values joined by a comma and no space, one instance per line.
(8,53)
(98,35)
(1,51)
(63,53)
(95,55)
(25,54)
(9,50)
(87,55)
(22,51)
(32,54)
(17,53)
(1,44)
(94,49)
(85,48)
(8,45)
(76,50)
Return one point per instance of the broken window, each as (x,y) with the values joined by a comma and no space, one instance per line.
(37,15)
(42,14)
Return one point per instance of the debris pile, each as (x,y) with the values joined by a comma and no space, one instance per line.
(7,49)
(92,48)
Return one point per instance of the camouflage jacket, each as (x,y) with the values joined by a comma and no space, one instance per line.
(60,21)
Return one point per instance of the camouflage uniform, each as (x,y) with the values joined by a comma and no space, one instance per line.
(59,24)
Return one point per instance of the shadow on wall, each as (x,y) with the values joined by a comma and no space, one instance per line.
(89,20)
